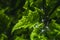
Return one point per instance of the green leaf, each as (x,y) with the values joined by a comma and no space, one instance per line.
(27,21)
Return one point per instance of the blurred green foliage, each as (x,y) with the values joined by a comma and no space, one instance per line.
(26,20)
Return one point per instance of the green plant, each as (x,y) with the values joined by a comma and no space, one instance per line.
(29,19)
